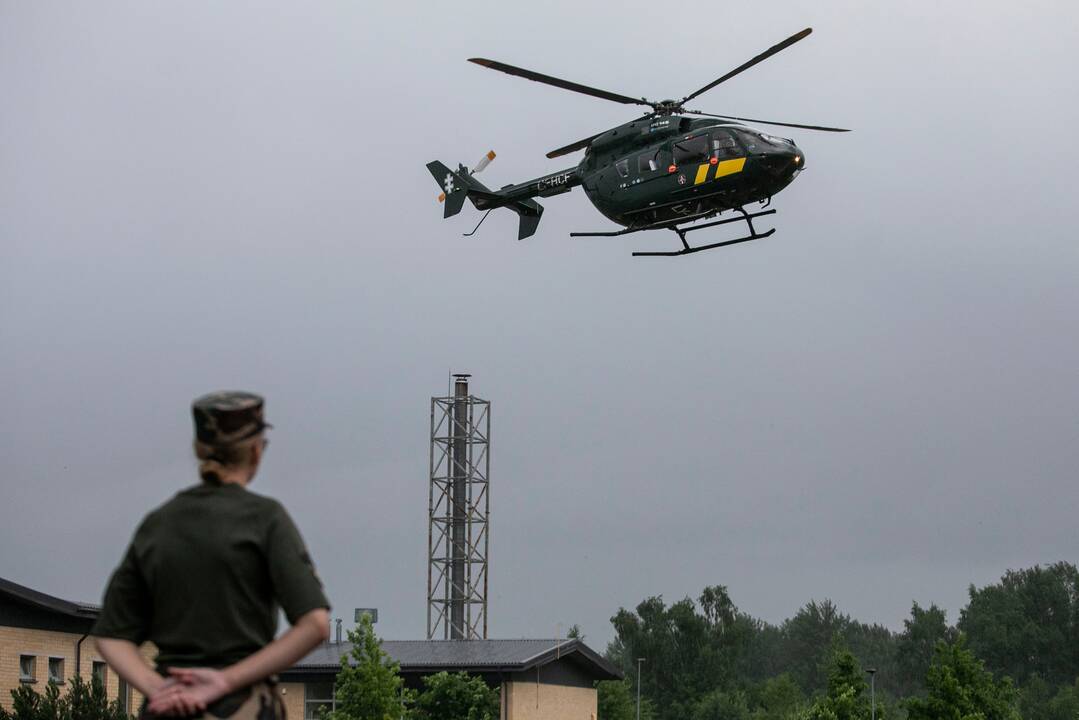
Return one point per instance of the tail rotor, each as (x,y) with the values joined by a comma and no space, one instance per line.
(483,163)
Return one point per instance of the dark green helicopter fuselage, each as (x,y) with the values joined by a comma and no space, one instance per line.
(669,170)
(673,169)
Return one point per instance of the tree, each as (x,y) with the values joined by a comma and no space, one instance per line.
(722,705)
(1027,624)
(1037,702)
(958,687)
(456,696)
(916,644)
(83,701)
(777,698)
(808,640)
(369,685)
(615,700)
(1065,704)
(689,653)
(575,632)
(847,696)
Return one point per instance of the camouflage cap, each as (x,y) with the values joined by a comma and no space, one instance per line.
(223,418)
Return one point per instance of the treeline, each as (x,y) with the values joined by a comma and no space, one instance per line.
(1015,646)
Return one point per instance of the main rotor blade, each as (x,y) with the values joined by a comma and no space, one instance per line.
(768,122)
(763,56)
(573,147)
(559,83)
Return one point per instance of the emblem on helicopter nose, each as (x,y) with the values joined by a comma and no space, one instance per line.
(447,184)
(681,179)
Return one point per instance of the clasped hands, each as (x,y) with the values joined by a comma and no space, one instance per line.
(187,691)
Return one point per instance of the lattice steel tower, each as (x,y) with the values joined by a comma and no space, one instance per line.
(458,508)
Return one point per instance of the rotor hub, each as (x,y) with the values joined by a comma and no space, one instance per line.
(667,107)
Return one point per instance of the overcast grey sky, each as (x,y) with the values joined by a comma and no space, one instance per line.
(875,405)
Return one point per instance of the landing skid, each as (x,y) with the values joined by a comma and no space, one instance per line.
(683,231)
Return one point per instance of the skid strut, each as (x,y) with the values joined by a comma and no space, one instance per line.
(687,248)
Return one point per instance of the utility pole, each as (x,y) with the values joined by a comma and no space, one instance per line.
(639,661)
(873,692)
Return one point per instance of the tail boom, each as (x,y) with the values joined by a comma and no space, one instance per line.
(461,184)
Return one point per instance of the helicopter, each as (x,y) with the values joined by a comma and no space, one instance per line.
(672,169)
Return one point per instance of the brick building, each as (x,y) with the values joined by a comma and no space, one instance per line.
(43,637)
(538,679)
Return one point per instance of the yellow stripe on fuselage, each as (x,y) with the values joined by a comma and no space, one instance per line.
(702,174)
(729,167)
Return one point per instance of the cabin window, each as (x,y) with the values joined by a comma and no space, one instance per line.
(622,166)
(649,162)
(724,146)
(691,151)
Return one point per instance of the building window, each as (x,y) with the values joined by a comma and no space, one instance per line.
(97,673)
(26,668)
(56,670)
(124,697)
(315,697)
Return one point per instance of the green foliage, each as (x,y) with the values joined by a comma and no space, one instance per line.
(707,658)
(575,632)
(456,696)
(722,705)
(958,687)
(618,701)
(808,638)
(916,645)
(777,698)
(1027,624)
(688,652)
(1065,704)
(615,700)
(1037,701)
(82,701)
(369,685)
(848,696)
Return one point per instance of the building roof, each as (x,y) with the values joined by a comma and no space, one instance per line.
(25,595)
(425,656)
(414,656)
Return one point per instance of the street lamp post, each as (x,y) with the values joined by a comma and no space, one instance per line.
(873,692)
(639,661)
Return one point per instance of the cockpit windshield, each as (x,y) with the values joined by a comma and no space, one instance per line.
(760,142)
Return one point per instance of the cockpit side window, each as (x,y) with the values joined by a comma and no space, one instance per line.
(622,166)
(724,146)
(752,141)
(690,151)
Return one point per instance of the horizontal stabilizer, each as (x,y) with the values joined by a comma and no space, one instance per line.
(530,212)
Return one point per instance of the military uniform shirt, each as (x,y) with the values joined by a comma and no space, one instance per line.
(204,576)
